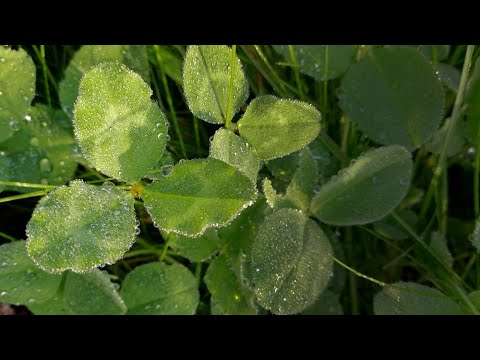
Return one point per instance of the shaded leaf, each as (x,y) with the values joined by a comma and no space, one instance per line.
(328,303)
(41,151)
(440,50)
(79,227)
(277,127)
(439,245)
(390,228)
(160,289)
(449,75)
(322,62)
(92,293)
(121,131)
(198,194)
(21,281)
(206,82)
(475,237)
(394,96)
(407,298)
(4,169)
(457,139)
(230,296)
(291,262)
(367,190)
(472,102)
(195,249)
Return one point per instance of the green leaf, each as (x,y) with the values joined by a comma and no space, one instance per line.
(41,151)
(328,165)
(301,188)
(370,188)
(206,82)
(322,62)
(435,145)
(407,298)
(198,194)
(449,76)
(394,96)
(237,238)
(472,102)
(92,293)
(475,237)
(390,228)
(17,89)
(133,56)
(120,130)
(195,249)
(160,289)
(440,50)
(291,262)
(235,151)
(4,169)
(328,303)
(53,306)
(79,227)
(230,296)
(21,281)
(276,127)
(171,62)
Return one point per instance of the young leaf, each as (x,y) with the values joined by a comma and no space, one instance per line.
(291,262)
(235,151)
(276,127)
(207,76)
(79,227)
(21,281)
(270,193)
(229,294)
(300,189)
(92,293)
(120,130)
(133,56)
(17,89)
(41,151)
(160,289)
(322,62)
(394,96)
(198,194)
(370,188)
(195,249)
(407,298)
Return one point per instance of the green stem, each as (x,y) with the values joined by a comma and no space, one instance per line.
(164,252)
(325,83)
(451,126)
(27,185)
(198,271)
(23,196)
(45,76)
(170,102)
(134,253)
(293,59)
(346,130)
(230,89)
(333,148)
(352,280)
(196,132)
(476,186)
(381,283)
(8,237)
(460,291)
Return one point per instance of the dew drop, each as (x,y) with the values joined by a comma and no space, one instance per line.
(45,166)
(376,180)
(316,189)
(160,136)
(167,138)
(3,293)
(34,141)
(471,150)
(137,231)
(28,118)
(108,185)
(14,125)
